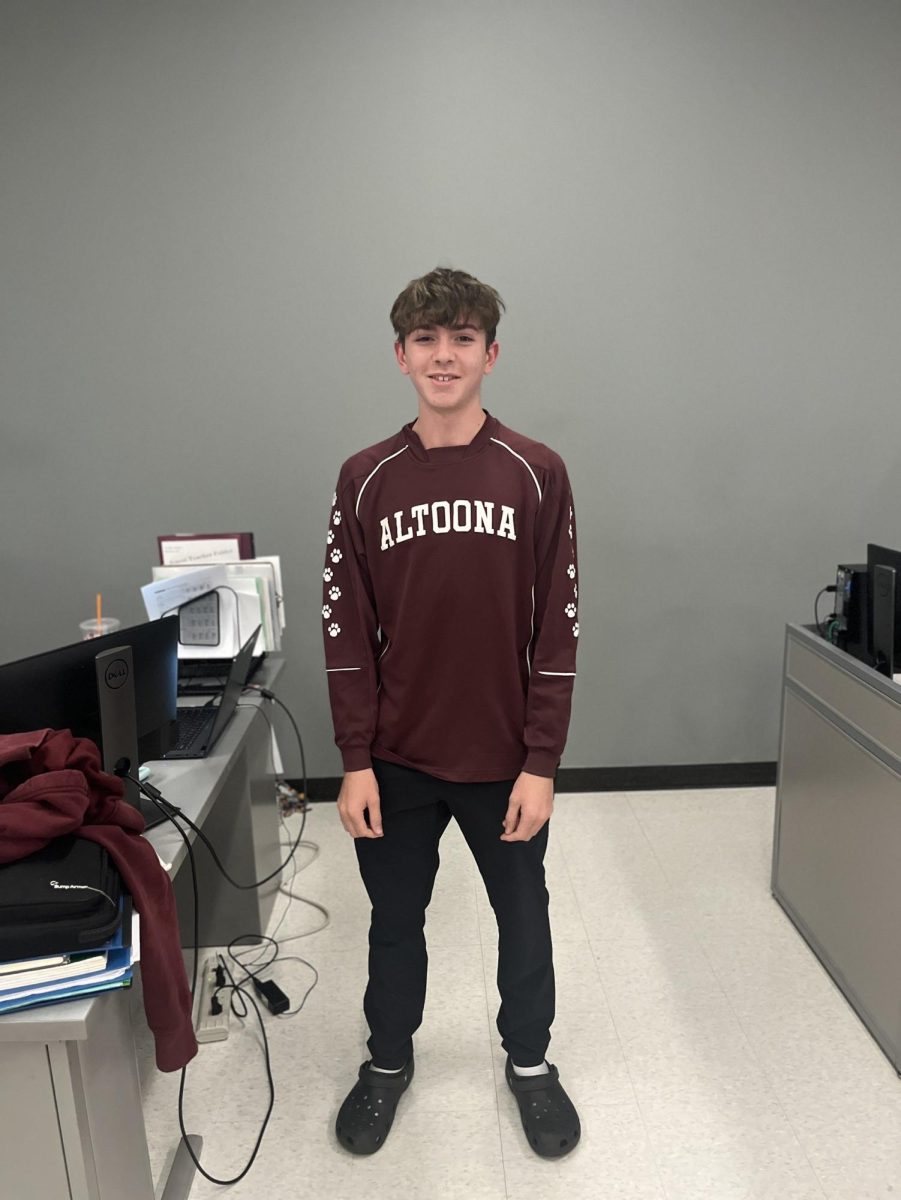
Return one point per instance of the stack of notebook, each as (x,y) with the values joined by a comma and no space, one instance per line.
(48,978)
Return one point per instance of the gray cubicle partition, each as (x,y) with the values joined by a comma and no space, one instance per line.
(837,841)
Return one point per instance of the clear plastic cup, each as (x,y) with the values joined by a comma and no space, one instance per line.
(94,628)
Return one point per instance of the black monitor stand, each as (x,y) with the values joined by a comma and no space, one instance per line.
(118,722)
(884,584)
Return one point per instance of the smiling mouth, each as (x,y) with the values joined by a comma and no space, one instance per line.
(444,378)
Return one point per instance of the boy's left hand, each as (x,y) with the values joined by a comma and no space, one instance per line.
(530,807)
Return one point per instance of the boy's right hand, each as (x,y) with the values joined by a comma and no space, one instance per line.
(360,794)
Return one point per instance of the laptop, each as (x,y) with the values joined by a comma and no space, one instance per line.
(198,728)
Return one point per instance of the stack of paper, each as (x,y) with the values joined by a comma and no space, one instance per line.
(28,982)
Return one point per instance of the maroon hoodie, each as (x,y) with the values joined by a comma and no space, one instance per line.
(51,784)
(450,606)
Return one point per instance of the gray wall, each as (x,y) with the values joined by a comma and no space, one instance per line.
(691,208)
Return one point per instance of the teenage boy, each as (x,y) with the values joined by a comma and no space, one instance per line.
(450,622)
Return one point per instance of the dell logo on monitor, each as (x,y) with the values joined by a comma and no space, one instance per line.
(116,673)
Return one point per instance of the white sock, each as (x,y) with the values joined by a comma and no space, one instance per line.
(542,1069)
(385,1071)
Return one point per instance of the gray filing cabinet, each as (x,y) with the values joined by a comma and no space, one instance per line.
(837,841)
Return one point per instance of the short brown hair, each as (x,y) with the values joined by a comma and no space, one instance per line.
(446,297)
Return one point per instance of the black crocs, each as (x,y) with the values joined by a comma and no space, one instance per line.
(367,1114)
(549,1119)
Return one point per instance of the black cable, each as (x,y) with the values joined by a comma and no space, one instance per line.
(167,816)
(263,937)
(816,616)
(155,795)
(278,776)
(283,789)
(245,995)
(258,967)
(258,882)
(170,813)
(268,695)
(173,810)
(239,1012)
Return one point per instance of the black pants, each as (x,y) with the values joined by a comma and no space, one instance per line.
(399,871)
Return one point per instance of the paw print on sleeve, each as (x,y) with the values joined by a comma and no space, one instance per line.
(576,629)
(330,536)
(334,629)
(336,519)
(326,612)
(327,574)
(571,570)
(336,556)
(334,593)
(570,610)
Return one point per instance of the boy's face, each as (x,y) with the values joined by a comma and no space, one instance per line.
(447,364)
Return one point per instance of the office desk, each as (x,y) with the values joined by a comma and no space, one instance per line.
(837,842)
(71,1121)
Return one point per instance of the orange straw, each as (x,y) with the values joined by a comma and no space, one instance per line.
(99,611)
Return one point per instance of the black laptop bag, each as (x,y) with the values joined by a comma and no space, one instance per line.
(63,898)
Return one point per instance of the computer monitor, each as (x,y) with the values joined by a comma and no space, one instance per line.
(884,572)
(58,689)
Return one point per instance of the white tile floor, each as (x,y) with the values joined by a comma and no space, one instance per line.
(709,1054)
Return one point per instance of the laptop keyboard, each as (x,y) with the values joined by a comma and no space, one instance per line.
(190,720)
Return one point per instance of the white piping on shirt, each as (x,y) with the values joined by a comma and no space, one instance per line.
(370,475)
(329,670)
(523,461)
(556,672)
(531,635)
(380,657)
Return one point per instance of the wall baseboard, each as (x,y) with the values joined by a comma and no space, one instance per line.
(666,778)
(687,776)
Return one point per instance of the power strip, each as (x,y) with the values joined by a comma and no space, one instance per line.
(210,1026)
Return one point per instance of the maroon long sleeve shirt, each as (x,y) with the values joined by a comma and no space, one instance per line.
(450,606)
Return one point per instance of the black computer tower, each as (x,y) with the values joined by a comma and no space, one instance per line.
(852,608)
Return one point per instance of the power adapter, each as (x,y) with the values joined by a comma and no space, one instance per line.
(275,999)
